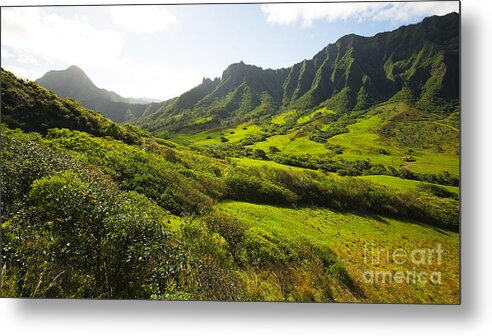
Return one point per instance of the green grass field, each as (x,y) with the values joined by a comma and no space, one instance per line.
(363,141)
(318,112)
(281,119)
(396,182)
(213,136)
(353,236)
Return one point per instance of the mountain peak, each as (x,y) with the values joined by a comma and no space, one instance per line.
(241,66)
(73,82)
(61,80)
(74,68)
(70,74)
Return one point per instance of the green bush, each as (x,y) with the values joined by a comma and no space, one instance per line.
(81,237)
(245,185)
(212,273)
(232,229)
(276,186)
(23,159)
(437,190)
(167,181)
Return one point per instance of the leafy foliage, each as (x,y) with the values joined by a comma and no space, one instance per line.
(275,186)
(169,181)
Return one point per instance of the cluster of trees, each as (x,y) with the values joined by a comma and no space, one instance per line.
(337,126)
(68,230)
(281,187)
(176,183)
(362,167)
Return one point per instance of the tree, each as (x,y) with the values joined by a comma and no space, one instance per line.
(259,154)
(272,150)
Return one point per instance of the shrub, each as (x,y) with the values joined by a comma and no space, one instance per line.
(231,228)
(276,186)
(211,274)
(247,186)
(23,159)
(437,190)
(82,237)
(168,182)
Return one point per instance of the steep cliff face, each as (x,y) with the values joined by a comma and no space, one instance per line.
(417,64)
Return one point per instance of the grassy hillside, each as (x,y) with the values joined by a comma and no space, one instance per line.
(28,106)
(347,236)
(68,182)
(393,139)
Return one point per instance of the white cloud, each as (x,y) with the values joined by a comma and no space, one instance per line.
(396,12)
(35,40)
(152,80)
(6,54)
(407,10)
(23,58)
(143,19)
(21,72)
(32,33)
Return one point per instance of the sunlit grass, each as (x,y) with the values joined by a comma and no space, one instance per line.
(347,234)
(396,182)
(318,112)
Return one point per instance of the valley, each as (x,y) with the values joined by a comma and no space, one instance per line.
(260,185)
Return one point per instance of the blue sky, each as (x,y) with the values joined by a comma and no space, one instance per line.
(162,51)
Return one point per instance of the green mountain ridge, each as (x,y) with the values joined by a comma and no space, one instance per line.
(354,73)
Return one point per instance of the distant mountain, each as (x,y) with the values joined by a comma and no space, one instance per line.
(417,64)
(142,100)
(74,83)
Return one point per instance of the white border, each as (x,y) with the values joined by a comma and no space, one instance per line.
(472,317)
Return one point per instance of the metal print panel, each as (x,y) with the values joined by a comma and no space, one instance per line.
(304,152)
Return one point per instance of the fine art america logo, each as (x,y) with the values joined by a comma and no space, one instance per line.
(413,261)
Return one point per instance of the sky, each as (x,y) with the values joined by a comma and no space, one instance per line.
(162,51)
